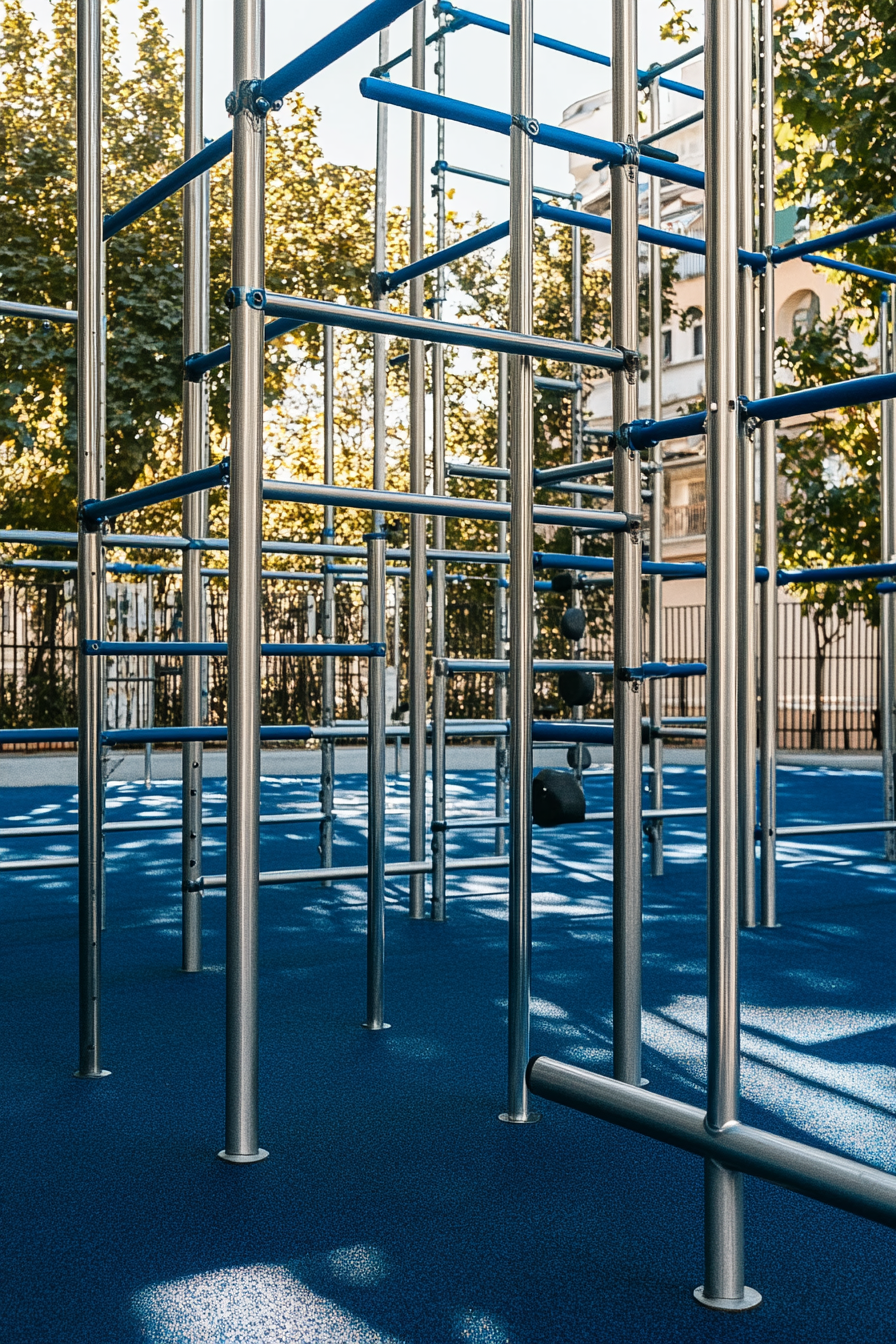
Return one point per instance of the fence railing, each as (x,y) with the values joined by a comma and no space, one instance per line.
(829,670)
(684,520)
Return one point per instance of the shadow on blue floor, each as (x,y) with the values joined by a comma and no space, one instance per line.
(394,1206)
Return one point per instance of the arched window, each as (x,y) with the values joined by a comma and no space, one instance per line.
(798,314)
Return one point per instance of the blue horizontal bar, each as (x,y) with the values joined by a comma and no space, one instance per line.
(547,730)
(850,267)
(197,365)
(886,588)
(659,671)
(173,182)
(602,564)
(882,224)
(12,735)
(581,219)
(366,23)
(343,39)
(392,280)
(487,119)
(833,573)
(126,736)
(466,16)
(177,648)
(833,397)
(94,511)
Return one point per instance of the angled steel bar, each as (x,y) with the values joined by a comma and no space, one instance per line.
(444,167)
(647,233)
(392,280)
(94,511)
(882,224)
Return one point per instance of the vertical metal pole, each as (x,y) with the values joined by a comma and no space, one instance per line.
(887,552)
(150,680)
(746,485)
(376,783)
(723,1286)
(379,264)
(417,522)
(575,411)
(396,663)
(91,582)
(439,685)
(768,480)
(627,566)
(500,642)
(327,622)
(657,492)
(522,438)
(244,598)
(195,507)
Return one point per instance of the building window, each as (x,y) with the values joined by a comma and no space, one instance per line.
(805,317)
(698,341)
(667,347)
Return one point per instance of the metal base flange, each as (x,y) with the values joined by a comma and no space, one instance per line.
(531,1119)
(384,1026)
(103,1073)
(241,1159)
(749,1302)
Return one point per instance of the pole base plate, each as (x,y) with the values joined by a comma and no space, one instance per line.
(103,1073)
(384,1026)
(531,1119)
(749,1302)
(240,1159)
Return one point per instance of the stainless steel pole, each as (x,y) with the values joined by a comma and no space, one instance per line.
(195,507)
(244,597)
(150,680)
(380,387)
(91,582)
(723,1285)
(522,438)
(627,566)
(768,483)
(439,684)
(376,784)
(746,484)
(327,622)
(887,551)
(655,632)
(417,524)
(500,639)
(575,411)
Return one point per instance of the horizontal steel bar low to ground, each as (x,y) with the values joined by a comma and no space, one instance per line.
(649,814)
(851,268)
(150,824)
(444,333)
(37,312)
(366,23)
(95,511)
(24,735)
(836,828)
(287,876)
(882,224)
(35,865)
(441,506)
(446,667)
(176,648)
(555,137)
(823,1176)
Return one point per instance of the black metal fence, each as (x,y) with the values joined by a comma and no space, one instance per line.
(829,671)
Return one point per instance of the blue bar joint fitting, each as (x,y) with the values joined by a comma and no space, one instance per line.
(255,298)
(527,124)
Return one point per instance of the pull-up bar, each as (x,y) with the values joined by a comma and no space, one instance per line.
(440,333)
(581,219)
(833,573)
(851,267)
(94,511)
(178,648)
(555,137)
(463,17)
(197,365)
(36,311)
(367,23)
(442,166)
(882,224)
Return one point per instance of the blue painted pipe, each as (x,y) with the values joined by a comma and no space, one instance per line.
(549,730)
(886,588)
(134,736)
(178,648)
(555,137)
(93,511)
(343,39)
(581,219)
(832,573)
(393,280)
(851,268)
(882,224)
(466,17)
(603,564)
(197,365)
(10,735)
(660,671)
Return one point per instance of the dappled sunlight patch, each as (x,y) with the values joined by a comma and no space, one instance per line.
(479,1327)
(249,1304)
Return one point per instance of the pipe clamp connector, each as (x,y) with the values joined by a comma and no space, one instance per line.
(254,298)
(527,124)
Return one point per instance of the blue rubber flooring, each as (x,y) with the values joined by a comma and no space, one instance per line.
(394,1205)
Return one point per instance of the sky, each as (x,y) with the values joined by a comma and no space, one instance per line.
(477,70)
